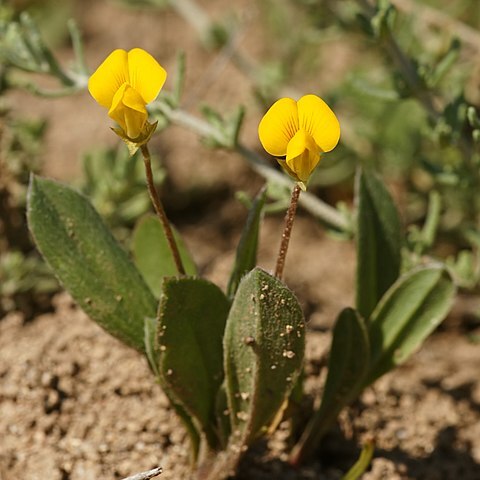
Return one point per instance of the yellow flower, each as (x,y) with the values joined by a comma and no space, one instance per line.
(297,133)
(125,83)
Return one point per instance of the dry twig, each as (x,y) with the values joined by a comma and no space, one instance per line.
(146,475)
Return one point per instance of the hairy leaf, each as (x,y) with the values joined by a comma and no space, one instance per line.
(264,347)
(347,366)
(153,256)
(379,239)
(88,261)
(191,324)
(410,310)
(246,257)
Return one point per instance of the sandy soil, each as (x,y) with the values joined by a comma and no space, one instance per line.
(76,404)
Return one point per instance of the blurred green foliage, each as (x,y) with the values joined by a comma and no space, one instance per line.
(399,74)
(24,50)
(114,181)
(404,97)
(25,282)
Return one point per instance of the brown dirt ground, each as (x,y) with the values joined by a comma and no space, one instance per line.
(76,404)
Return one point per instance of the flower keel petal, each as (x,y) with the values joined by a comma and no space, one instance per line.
(129,111)
(303,155)
(303,165)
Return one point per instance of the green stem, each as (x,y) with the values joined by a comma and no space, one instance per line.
(157,205)
(289,218)
(77,45)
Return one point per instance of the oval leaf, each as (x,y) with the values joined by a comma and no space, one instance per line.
(153,256)
(88,260)
(379,240)
(410,310)
(246,257)
(264,347)
(348,361)
(191,324)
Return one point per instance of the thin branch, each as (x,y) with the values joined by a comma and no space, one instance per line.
(434,17)
(424,96)
(406,67)
(312,204)
(200,20)
(318,208)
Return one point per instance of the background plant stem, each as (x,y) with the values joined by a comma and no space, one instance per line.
(314,205)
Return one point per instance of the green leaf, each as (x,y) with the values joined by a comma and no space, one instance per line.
(246,257)
(348,362)
(347,366)
(153,256)
(411,309)
(191,324)
(264,346)
(151,330)
(379,239)
(223,419)
(88,261)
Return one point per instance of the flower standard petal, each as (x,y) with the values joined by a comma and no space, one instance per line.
(316,117)
(109,77)
(145,73)
(278,126)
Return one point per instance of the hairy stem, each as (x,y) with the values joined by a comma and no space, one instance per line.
(289,217)
(157,205)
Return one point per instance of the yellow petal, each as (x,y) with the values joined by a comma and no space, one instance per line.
(316,117)
(303,165)
(146,75)
(302,155)
(109,77)
(278,126)
(135,122)
(128,110)
(132,99)
(300,142)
